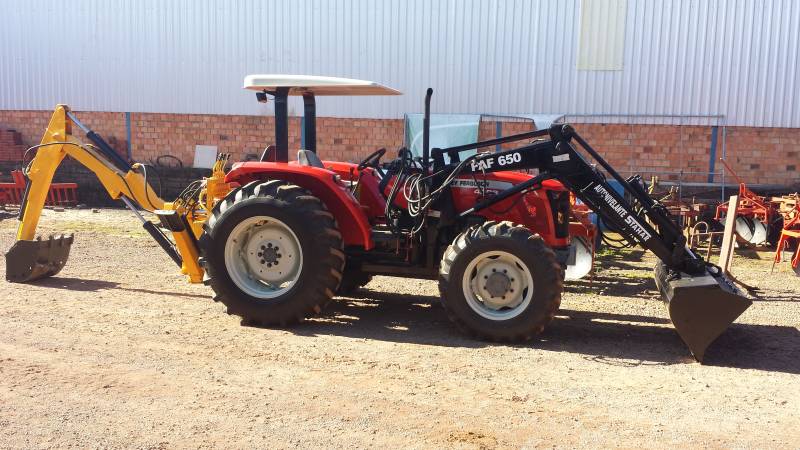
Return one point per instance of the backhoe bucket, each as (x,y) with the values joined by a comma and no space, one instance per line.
(700,307)
(32,260)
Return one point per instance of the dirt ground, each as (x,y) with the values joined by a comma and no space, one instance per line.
(119,351)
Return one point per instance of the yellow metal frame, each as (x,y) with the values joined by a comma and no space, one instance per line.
(58,143)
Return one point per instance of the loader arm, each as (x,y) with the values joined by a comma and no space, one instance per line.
(556,158)
(702,301)
(30,259)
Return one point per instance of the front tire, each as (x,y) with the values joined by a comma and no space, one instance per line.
(272,252)
(500,282)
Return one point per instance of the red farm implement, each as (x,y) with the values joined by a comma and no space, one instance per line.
(790,236)
(60,194)
(757,220)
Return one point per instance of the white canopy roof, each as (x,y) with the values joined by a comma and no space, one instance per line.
(301,84)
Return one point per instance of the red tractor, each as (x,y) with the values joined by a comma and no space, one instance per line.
(497,240)
(406,216)
(276,239)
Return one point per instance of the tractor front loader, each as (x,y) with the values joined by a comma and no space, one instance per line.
(277,239)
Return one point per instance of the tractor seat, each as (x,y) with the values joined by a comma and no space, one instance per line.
(268,154)
(309,158)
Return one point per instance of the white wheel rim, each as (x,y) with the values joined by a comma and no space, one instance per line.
(497,285)
(263,257)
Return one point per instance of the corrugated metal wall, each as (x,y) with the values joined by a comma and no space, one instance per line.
(737,58)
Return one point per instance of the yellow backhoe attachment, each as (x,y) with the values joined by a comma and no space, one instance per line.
(30,259)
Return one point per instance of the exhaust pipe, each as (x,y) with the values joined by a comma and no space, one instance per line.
(32,260)
(701,307)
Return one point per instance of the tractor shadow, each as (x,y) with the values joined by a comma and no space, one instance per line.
(606,338)
(618,273)
(614,285)
(620,259)
(603,337)
(748,252)
(7,214)
(75,284)
(91,285)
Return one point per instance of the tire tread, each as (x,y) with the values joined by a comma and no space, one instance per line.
(306,300)
(548,287)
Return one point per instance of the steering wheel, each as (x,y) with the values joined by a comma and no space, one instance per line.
(372,161)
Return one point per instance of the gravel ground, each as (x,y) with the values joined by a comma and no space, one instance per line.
(119,351)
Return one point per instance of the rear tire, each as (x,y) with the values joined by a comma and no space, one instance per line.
(500,282)
(272,252)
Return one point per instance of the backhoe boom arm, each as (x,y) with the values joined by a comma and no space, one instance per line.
(30,259)
(57,143)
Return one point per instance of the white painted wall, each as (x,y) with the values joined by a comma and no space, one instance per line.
(738,58)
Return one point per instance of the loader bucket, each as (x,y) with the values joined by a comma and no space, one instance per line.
(700,307)
(32,260)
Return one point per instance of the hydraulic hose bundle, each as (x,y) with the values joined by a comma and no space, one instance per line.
(420,198)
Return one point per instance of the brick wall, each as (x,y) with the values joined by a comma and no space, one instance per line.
(767,153)
(11,146)
(153,135)
(759,155)
(671,152)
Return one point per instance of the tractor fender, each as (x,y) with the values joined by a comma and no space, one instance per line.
(353,222)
